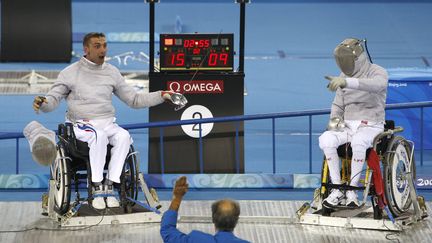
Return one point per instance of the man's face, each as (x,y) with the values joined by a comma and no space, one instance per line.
(96,50)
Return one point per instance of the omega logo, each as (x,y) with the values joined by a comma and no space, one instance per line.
(197,86)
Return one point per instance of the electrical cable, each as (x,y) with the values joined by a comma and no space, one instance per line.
(205,57)
(367,50)
(387,236)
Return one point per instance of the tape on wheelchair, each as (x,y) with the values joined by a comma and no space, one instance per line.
(373,163)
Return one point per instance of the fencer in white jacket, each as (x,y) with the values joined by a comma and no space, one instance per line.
(357,114)
(88,86)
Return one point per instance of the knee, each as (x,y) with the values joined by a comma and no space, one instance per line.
(122,137)
(101,137)
(360,143)
(327,140)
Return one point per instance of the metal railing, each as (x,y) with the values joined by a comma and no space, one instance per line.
(271,116)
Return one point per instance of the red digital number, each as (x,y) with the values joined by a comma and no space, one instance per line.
(224,58)
(178,60)
(196,51)
(196,43)
(203,43)
(189,43)
(212,59)
(215,58)
(172,59)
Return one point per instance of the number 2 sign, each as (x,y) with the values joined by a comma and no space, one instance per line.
(197,112)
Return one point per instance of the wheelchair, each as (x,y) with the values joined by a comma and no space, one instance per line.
(390,189)
(72,167)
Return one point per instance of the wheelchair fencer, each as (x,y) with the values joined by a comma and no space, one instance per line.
(391,190)
(72,167)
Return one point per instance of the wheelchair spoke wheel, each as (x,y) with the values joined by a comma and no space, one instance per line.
(62,189)
(130,175)
(397,164)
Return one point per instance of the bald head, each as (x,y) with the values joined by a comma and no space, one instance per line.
(225,214)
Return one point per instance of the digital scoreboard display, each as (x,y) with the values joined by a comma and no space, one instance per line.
(185,52)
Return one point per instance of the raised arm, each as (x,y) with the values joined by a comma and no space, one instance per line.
(135,99)
(169,231)
(376,83)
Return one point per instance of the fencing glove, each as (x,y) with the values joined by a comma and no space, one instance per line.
(177,99)
(336,82)
(37,102)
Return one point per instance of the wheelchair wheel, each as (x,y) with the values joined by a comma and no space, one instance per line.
(130,176)
(397,163)
(60,173)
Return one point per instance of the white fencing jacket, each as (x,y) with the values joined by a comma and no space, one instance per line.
(88,89)
(364,98)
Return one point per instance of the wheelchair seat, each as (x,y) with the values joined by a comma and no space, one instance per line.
(77,149)
(72,167)
(345,150)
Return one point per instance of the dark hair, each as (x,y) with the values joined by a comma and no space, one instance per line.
(90,35)
(225,214)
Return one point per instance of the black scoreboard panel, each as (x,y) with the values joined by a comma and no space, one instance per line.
(208,94)
(185,52)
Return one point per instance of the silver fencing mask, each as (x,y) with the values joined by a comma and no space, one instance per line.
(346,53)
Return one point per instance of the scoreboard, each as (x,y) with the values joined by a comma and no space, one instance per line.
(185,52)
(200,66)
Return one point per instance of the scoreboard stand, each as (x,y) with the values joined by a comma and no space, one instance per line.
(200,66)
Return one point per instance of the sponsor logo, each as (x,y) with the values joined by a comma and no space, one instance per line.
(197,86)
(397,85)
(424,182)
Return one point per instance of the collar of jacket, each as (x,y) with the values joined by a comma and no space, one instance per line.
(91,65)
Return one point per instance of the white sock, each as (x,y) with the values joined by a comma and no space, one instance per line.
(357,163)
(333,165)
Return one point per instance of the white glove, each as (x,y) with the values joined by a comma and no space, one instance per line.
(335,83)
(174,98)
